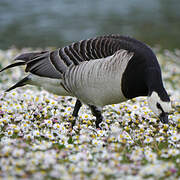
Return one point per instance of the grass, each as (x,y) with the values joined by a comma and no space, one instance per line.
(36,141)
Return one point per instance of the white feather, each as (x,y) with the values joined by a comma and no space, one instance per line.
(154,99)
(49,84)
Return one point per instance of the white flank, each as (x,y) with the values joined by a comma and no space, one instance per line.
(98,82)
(49,84)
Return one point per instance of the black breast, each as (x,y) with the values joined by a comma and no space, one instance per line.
(133,79)
(136,78)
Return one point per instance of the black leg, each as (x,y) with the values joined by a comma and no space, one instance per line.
(76,110)
(97,113)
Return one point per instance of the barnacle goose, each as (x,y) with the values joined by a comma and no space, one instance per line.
(99,71)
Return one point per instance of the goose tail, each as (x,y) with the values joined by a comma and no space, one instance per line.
(38,63)
(21,83)
(13,65)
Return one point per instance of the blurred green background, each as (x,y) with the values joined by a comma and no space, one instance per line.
(42,23)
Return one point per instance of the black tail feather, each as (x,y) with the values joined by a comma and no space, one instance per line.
(19,84)
(13,65)
(37,63)
(25,58)
(29,56)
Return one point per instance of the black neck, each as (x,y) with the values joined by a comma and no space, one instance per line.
(155,83)
(142,75)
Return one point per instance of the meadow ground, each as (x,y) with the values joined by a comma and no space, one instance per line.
(37,143)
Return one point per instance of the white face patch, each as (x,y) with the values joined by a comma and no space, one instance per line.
(153,102)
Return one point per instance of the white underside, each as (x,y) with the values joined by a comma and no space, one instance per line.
(51,85)
(101,94)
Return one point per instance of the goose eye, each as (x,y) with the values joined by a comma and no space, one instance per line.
(159,107)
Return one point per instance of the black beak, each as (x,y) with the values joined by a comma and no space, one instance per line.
(164,118)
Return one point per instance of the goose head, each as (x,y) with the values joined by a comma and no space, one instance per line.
(159,107)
